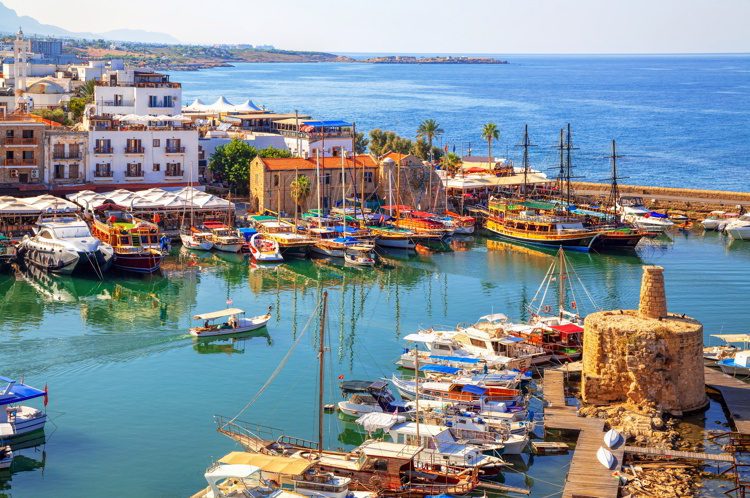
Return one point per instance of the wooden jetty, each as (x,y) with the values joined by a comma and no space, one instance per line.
(586,477)
(736,394)
(687,455)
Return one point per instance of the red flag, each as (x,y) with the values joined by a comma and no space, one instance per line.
(341,377)
(46,395)
(573,305)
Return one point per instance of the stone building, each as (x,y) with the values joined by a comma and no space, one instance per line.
(21,148)
(406,180)
(65,157)
(644,356)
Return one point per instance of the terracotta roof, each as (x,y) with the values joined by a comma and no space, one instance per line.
(286,164)
(397,156)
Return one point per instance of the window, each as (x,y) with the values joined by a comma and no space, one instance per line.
(276,180)
(174,145)
(118,99)
(74,151)
(156,167)
(9,154)
(167,101)
(102,146)
(157,143)
(174,169)
(28,155)
(327,179)
(134,170)
(152,101)
(73,171)
(134,146)
(342,177)
(368,176)
(58,151)
(59,171)
(27,134)
(103,170)
(9,133)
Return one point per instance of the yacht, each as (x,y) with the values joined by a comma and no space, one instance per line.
(65,245)
(717,220)
(633,211)
(16,419)
(739,229)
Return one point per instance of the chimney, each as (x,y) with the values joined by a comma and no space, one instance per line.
(653,300)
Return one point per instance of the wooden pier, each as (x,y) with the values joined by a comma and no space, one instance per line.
(586,476)
(736,394)
(686,455)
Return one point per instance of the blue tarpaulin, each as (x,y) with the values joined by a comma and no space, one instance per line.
(342,229)
(18,392)
(345,240)
(456,359)
(440,368)
(473,389)
(322,124)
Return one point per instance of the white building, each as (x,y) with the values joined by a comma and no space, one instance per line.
(132,139)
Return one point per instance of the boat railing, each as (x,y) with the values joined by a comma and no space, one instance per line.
(246,432)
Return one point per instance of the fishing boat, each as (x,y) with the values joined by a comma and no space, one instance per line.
(264,249)
(634,211)
(510,221)
(362,397)
(17,419)
(713,354)
(739,366)
(453,391)
(360,254)
(236,322)
(64,244)
(393,238)
(463,225)
(291,243)
(224,239)
(419,222)
(198,240)
(136,243)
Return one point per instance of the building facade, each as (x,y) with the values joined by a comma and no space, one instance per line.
(65,157)
(139,92)
(21,149)
(271,181)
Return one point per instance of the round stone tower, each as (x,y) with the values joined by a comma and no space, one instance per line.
(646,355)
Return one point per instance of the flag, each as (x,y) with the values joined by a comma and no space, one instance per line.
(46,395)
(341,377)
(230,302)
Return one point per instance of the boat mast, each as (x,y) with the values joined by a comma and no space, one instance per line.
(561,277)
(321,372)
(416,391)
(569,164)
(343,189)
(614,191)
(390,192)
(317,175)
(561,174)
(526,144)
(398,186)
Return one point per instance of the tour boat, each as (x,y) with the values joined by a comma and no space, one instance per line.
(291,243)
(510,222)
(137,243)
(196,239)
(420,224)
(235,324)
(612,438)
(239,481)
(633,211)
(605,457)
(739,229)
(224,239)
(16,419)
(264,249)
(6,457)
(65,245)
(360,254)
(464,225)
(393,238)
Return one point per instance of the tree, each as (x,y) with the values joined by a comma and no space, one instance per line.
(360,143)
(421,149)
(451,163)
(300,190)
(274,152)
(86,91)
(490,133)
(77,105)
(230,163)
(382,142)
(428,130)
(57,115)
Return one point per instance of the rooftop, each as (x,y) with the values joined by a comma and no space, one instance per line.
(298,163)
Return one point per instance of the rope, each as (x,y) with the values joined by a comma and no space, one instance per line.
(278,368)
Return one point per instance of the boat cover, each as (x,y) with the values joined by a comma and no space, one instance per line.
(355,386)
(374,421)
(473,389)
(268,463)
(456,359)
(440,369)
(18,392)
(568,328)
(218,314)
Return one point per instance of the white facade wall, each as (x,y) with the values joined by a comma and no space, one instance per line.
(153,154)
(328,147)
(136,100)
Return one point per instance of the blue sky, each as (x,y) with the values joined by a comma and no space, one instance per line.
(468,26)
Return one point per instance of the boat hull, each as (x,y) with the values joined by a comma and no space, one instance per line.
(228,247)
(248,326)
(11,430)
(190,243)
(578,243)
(149,262)
(616,240)
(67,262)
(396,243)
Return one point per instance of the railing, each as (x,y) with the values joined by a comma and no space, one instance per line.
(134,150)
(134,174)
(175,150)
(103,150)
(175,173)
(117,103)
(19,162)
(20,141)
(160,84)
(102,174)
(161,104)
(69,155)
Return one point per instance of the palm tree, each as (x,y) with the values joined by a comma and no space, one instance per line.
(300,191)
(428,130)
(86,91)
(490,133)
(451,163)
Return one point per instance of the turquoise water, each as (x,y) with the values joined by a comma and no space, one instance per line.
(132,396)
(678,120)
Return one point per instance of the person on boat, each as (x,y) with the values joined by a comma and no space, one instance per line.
(232,322)
(205,324)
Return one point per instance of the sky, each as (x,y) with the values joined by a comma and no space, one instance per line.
(423,26)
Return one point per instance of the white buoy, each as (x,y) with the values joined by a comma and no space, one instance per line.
(605,457)
(612,438)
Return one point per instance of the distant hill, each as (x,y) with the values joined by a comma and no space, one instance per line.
(10,21)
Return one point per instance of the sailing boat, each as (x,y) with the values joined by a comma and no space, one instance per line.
(384,467)
(192,238)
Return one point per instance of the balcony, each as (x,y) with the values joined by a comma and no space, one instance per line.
(69,155)
(102,174)
(104,149)
(17,161)
(161,104)
(33,142)
(117,103)
(136,149)
(135,175)
(174,150)
(174,174)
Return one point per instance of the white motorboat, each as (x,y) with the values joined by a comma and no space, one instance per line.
(236,323)
(196,240)
(16,419)
(363,397)
(739,229)
(264,249)
(65,245)
(360,255)
(224,238)
(490,336)
(739,366)
(633,211)
(717,219)
(239,481)
(713,354)
(6,457)
(605,457)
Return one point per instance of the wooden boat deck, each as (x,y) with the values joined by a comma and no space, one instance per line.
(586,476)
(736,394)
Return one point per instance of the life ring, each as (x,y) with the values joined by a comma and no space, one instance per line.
(547,309)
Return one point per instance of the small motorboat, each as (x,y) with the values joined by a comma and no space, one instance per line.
(6,457)
(739,366)
(717,219)
(739,229)
(16,419)
(360,255)
(605,457)
(236,323)
(612,438)
(264,249)
(196,240)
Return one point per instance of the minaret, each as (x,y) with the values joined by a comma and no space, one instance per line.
(21,49)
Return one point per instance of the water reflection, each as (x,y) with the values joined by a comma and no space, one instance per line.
(233,344)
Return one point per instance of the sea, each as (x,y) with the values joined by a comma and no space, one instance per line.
(133,398)
(679,121)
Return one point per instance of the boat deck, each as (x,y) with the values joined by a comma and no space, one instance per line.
(586,476)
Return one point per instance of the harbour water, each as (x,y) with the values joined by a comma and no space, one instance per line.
(132,396)
(679,121)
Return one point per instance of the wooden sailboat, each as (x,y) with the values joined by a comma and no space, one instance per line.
(136,242)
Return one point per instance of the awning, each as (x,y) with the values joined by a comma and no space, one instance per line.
(269,463)
(18,392)
(510,339)
(567,329)
(218,314)
(733,337)
(440,369)
(473,389)
(456,359)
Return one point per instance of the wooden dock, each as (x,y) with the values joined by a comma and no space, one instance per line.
(687,455)
(586,476)
(736,394)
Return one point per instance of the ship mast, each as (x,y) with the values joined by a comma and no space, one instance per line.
(614,190)
(343,190)
(321,372)
(569,164)
(561,277)
(317,176)
(526,144)
(561,174)
(416,391)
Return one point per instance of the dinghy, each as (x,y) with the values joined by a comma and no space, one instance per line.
(605,457)
(612,438)
(236,323)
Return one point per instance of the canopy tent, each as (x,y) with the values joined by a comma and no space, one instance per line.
(153,199)
(219,314)
(35,205)
(196,106)
(222,105)
(289,466)
(247,105)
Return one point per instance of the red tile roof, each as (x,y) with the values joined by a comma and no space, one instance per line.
(292,163)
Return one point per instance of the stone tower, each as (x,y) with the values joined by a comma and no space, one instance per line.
(646,355)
